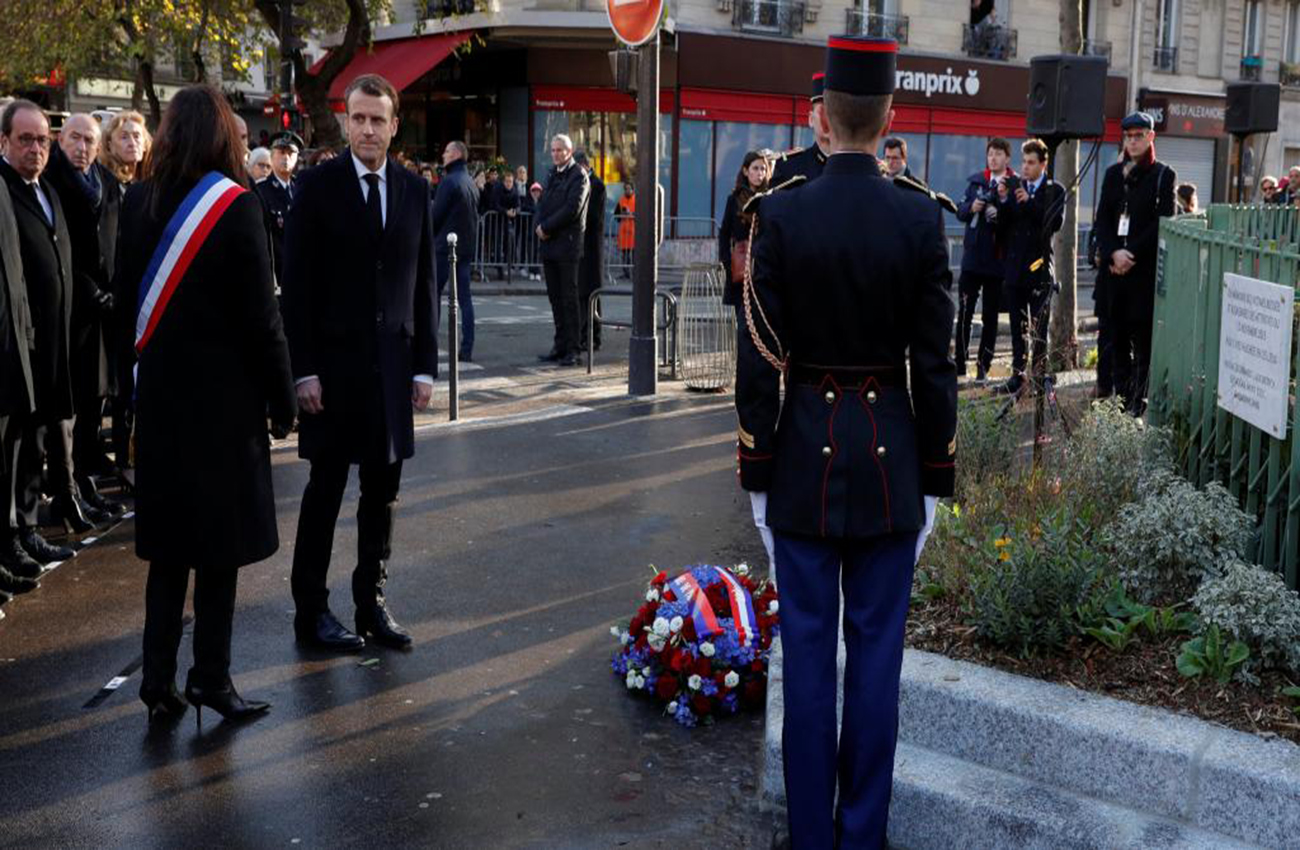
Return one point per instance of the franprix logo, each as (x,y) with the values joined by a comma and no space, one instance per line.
(946,83)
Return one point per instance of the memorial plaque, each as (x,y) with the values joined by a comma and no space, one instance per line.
(1255,351)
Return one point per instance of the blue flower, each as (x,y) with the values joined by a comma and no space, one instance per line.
(684,715)
(709,687)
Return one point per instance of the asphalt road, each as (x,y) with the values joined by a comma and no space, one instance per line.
(523,534)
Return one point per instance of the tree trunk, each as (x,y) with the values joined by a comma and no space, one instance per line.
(151,94)
(1065,328)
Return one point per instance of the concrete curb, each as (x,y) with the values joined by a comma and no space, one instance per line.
(990,757)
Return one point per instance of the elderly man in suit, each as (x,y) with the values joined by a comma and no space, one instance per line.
(47,267)
(360,314)
(561,222)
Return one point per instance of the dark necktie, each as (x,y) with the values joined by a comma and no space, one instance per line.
(374,211)
(1033,187)
(36,196)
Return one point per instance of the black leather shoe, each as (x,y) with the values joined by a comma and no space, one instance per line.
(569,360)
(324,631)
(67,510)
(377,623)
(225,701)
(40,550)
(16,560)
(14,585)
(107,507)
(1013,386)
(550,357)
(165,703)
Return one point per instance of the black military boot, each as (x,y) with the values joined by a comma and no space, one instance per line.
(40,550)
(14,585)
(16,560)
(374,547)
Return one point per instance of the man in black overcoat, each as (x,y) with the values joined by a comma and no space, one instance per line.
(1030,211)
(591,271)
(359,303)
(455,210)
(47,268)
(17,340)
(561,221)
(84,196)
(1135,194)
(277,192)
(865,443)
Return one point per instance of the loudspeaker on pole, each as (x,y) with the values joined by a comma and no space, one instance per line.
(1067,96)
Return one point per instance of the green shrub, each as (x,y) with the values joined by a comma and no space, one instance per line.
(1255,606)
(1209,654)
(986,446)
(1105,460)
(1030,582)
(1177,536)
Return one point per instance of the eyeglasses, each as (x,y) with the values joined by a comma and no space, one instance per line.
(26,140)
(1135,137)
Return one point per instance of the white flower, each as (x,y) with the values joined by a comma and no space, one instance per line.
(694,682)
(661,627)
(742,569)
(656,642)
(652,595)
(631,679)
(773,607)
(613,630)
(707,650)
(733,679)
(675,624)
(625,638)
(672,707)
(640,682)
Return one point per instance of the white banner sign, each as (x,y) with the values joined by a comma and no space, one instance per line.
(1255,351)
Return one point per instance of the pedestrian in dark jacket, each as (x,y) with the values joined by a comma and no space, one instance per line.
(591,272)
(751,180)
(981,264)
(561,221)
(1135,194)
(455,210)
(203,481)
(1030,211)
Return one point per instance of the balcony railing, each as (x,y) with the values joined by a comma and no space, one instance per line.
(1252,68)
(1289,74)
(1093,47)
(773,17)
(1165,59)
(447,8)
(988,41)
(876,25)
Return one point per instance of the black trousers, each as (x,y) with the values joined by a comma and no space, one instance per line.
(11,437)
(562,290)
(970,289)
(1030,310)
(590,278)
(86,452)
(1131,357)
(214,618)
(46,443)
(321,502)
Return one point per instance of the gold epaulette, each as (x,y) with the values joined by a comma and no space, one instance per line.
(752,204)
(782,157)
(940,198)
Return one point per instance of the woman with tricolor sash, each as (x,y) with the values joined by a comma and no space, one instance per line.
(211,360)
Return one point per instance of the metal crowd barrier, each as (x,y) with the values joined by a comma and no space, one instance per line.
(707,328)
(507,247)
(665,324)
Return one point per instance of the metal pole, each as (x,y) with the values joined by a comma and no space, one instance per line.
(453,334)
(643,368)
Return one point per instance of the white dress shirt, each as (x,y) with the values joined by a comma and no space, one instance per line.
(362,170)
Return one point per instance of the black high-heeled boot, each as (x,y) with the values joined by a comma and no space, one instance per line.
(66,510)
(224,700)
(164,702)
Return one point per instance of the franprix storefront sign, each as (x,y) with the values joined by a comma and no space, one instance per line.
(971,85)
(1255,351)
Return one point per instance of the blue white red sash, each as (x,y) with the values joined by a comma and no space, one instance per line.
(687,588)
(184,235)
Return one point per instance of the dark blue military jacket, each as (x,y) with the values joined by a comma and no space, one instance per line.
(851,290)
(276,201)
(806,162)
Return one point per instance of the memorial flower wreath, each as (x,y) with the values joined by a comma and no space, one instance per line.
(699,644)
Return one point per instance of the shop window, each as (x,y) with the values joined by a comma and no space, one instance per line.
(953,159)
(695,175)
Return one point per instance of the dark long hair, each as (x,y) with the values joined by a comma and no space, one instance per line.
(197,135)
(742,179)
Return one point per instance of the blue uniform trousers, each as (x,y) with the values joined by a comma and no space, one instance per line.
(876,577)
(466,301)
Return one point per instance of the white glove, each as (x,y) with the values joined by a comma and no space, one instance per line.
(931,504)
(758,502)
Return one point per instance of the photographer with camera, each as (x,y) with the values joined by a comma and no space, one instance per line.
(981,264)
(1030,211)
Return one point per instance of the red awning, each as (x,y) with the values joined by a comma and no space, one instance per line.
(401,62)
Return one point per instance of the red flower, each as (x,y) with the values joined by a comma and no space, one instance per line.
(757,666)
(702,705)
(678,661)
(666,687)
(636,627)
(688,629)
(669,595)
(752,695)
(660,579)
(703,667)
(718,599)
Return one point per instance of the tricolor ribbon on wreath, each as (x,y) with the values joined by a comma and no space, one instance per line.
(687,588)
(184,235)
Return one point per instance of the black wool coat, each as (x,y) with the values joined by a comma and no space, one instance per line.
(17,338)
(455,210)
(360,311)
(216,364)
(1026,231)
(1147,195)
(562,214)
(867,423)
(47,268)
(593,236)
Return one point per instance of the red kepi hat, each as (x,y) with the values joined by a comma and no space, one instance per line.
(864,66)
(818,86)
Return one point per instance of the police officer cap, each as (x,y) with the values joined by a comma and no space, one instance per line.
(1138,121)
(287,139)
(863,66)
(818,86)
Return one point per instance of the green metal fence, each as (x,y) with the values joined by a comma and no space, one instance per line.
(1213,445)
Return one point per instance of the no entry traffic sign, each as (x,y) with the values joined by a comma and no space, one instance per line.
(634,21)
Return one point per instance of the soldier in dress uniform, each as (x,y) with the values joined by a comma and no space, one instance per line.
(277,190)
(806,162)
(852,463)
